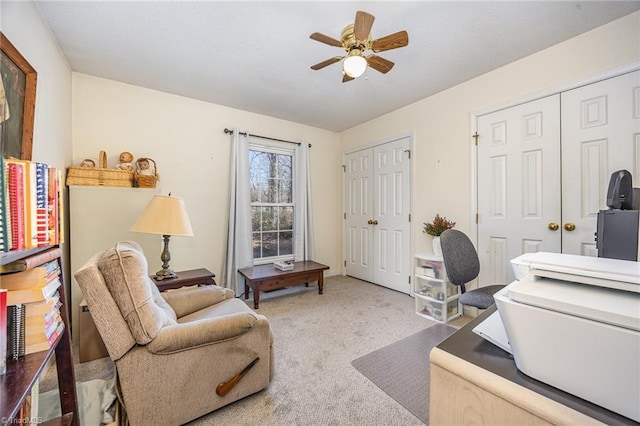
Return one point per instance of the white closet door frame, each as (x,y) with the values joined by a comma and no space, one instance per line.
(345,245)
(473,117)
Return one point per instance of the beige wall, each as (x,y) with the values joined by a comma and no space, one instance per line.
(186,139)
(441,123)
(23,26)
(186,136)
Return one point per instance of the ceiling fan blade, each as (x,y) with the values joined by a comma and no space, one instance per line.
(362,25)
(392,41)
(379,64)
(346,78)
(325,39)
(329,61)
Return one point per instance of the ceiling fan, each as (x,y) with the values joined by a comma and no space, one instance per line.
(356,40)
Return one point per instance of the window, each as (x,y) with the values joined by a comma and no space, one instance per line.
(272,203)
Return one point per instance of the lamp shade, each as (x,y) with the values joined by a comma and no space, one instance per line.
(164,215)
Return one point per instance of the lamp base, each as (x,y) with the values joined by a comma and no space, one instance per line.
(165,274)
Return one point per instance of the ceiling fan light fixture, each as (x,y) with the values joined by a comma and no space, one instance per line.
(355,64)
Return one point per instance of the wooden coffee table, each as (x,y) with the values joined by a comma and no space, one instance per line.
(267,277)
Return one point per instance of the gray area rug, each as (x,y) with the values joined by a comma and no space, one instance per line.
(401,369)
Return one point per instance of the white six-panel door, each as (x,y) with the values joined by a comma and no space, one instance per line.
(524,191)
(518,185)
(359,210)
(378,202)
(391,229)
(600,135)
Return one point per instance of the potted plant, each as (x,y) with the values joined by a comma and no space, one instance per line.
(435,228)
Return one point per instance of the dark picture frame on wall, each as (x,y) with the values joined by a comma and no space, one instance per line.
(17,102)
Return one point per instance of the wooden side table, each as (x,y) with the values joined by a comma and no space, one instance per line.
(200,276)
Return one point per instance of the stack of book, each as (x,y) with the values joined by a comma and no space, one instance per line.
(30,196)
(33,315)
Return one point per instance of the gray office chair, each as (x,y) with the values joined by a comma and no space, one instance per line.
(462,265)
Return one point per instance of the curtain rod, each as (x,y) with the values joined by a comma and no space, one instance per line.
(263,137)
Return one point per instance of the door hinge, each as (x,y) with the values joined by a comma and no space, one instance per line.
(409,152)
(344,168)
(345,263)
(476,136)
(477,218)
(409,217)
(345,215)
(409,279)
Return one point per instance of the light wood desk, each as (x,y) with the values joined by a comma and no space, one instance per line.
(474,382)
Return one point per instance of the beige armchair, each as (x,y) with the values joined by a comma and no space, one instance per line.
(172,350)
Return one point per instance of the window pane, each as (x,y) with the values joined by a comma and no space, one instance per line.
(271,186)
(285,243)
(269,244)
(257,187)
(259,164)
(285,191)
(269,219)
(286,218)
(257,247)
(272,164)
(285,166)
(270,191)
(256,215)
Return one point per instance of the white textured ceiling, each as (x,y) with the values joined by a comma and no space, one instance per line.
(256,56)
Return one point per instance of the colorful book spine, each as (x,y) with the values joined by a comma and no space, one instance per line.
(42,222)
(31,239)
(52,206)
(17,212)
(4,234)
(7,200)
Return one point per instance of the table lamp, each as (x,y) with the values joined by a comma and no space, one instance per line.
(166,216)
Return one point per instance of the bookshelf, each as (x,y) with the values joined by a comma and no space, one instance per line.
(22,374)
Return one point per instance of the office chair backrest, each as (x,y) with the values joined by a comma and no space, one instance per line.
(460,257)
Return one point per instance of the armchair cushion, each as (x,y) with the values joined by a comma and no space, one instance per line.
(205,331)
(189,300)
(124,268)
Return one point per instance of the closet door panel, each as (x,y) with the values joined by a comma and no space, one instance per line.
(600,134)
(359,210)
(392,236)
(518,185)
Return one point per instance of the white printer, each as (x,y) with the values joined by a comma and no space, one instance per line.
(573,322)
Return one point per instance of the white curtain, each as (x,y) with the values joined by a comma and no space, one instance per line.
(303,220)
(239,240)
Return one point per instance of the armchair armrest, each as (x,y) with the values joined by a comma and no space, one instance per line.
(175,338)
(187,301)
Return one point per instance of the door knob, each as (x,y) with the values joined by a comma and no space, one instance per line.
(375,222)
(569,226)
(370,222)
(553,226)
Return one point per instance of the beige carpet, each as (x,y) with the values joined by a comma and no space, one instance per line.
(316,339)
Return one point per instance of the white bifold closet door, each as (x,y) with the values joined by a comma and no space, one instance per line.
(377,208)
(518,185)
(600,135)
(544,168)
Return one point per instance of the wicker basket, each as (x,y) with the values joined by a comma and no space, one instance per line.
(146,180)
(99,176)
